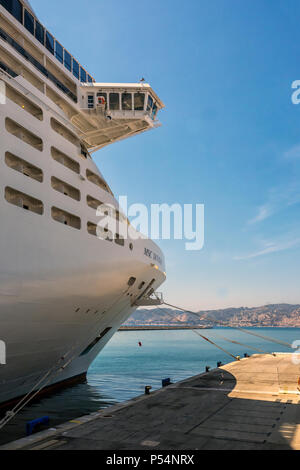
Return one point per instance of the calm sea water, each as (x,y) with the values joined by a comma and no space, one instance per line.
(123,369)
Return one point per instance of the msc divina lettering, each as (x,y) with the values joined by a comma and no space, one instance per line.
(64,291)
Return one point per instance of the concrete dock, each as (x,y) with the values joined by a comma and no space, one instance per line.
(250,404)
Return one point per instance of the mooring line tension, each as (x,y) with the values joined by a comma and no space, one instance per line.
(236,358)
(267,338)
(203,337)
(246,345)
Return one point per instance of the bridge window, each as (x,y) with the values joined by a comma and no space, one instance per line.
(59,52)
(26,168)
(126,101)
(24,201)
(49,42)
(90,80)
(150,103)
(139,101)
(67,61)
(29,22)
(114,101)
(75,68)
(66,218)
(154,112)
(40,32)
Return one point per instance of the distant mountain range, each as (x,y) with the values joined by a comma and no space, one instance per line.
(280,315)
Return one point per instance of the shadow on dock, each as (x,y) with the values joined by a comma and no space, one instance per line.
(251,404)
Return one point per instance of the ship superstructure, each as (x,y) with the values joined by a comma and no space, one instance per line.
(63,290)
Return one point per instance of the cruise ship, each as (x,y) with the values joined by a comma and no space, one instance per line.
(64,290)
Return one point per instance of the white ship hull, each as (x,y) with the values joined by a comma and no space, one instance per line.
(61,288)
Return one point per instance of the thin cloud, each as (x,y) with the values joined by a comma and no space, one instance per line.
(264,212)
(270,247)
(293,153)
(282,196)
(279,198)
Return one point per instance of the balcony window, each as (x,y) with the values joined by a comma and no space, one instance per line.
(65,188)
(24,167)
(24,103)
(39,32)
(63,159)
(126,101)
(65,218)
(82,75)
(119,240)
(68,61)
(59,52)
(96,179)
(114,101)
(23,134)
(139,101)
(14,7)
(92,229)
(75,68)
(93,203)
(64,132)
(24,201)
(29,22)
(50,42)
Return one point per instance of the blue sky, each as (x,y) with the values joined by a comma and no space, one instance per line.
(230,137)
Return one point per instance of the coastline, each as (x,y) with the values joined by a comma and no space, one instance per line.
(164,327)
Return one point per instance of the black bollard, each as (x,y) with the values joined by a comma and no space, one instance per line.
(207,368)
(166,382)
(147,390)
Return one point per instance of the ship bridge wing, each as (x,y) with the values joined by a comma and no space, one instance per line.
(112,112)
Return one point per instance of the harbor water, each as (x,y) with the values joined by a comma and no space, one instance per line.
(134,359)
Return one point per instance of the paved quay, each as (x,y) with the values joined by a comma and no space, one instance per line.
(250,404)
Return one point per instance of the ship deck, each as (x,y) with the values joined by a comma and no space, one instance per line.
(250,404)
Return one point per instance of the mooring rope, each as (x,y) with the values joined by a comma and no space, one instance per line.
(246,345)
(203,337)
(267,338)
(46,378)
(236,358)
